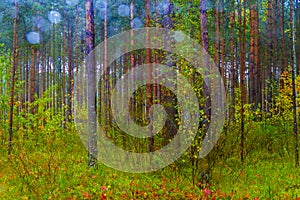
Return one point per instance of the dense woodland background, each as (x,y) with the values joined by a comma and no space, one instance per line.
(256,46)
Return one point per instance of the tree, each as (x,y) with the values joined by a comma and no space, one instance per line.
(232,62)
(294,69)
(283,54)
(242,40)
(91,70)
(254,90)
(204,37)
(149,78)
(13,77)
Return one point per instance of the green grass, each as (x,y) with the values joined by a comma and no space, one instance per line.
(54,166)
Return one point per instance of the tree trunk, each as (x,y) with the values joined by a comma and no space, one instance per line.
(233,73)
(70,72)
(294,68)
(91,70)
(149,78)
(269,58)
(217,38)
(242,40)
(14,67)
(297,19)
(205,173)
(253,62)
(283,55)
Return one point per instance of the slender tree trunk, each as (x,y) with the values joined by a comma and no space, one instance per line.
(242,38)
(205,173)
(149,78)
(269,57)
(90,44)
(253,64)
(204,37)
(297,20)
(223,70)
(14,67)
(233,76)
(283,55)
(217,45)
(132,58)
(294,68)
(106,74)
(64,62)
(70,72)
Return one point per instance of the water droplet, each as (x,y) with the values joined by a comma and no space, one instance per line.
(33,37)
(44,24)
(124,10)
(102,14)
(179,36)
(162,8)
(54,17)
(100,4)
(13,1)
(72,2)
(112,30)
(137,23)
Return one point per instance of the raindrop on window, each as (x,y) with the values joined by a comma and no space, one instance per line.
(72,2)
(124,10)
(100,4)
(54,17)
(137,23)
(41,23)
(162,8)
(179,36)
(33,37)
(112,30)
(102,14)
(13,1)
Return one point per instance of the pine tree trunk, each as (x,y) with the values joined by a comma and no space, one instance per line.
(242,40)
(294,68)
(233,72)
(149,78)
(253,62)
(70,72)
(283,55)
(91,70)
(14,67)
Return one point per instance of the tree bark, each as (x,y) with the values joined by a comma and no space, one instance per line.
(283,55)
(14,67)
(70,72)
(294,69)
(148,78)
(91,70)
(242,40)
(253,62)
(233,72)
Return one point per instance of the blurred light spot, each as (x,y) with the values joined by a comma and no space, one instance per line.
(102,14)
(33,37)
(179,36)
(43,24)
(54,17)
(162,8)
(72,2)
(100,4)
(124,10)
(137,23)
(112,30)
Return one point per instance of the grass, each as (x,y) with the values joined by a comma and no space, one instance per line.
(54,166)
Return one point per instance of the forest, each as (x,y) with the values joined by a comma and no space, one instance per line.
(149,99)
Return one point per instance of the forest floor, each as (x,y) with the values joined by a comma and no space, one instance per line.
(55,167)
